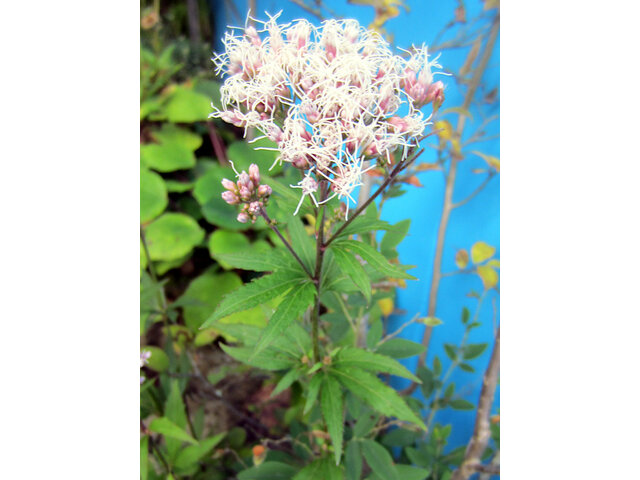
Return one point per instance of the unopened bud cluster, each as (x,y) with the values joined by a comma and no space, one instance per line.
(332,97)
(247,191)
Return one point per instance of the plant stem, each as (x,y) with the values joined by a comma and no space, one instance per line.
(482,431)
(398,168)
(264,215)
(448,193)
(317,277)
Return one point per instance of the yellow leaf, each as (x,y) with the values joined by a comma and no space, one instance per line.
(493,162)
(431,321)
(488,276)
(481,252)
(445,130)
(386,305)
(494,263)
(462,258)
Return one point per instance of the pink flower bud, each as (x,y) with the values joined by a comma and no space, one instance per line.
(264,191)
(252,35)
(435,94)
(244,181)
(245,193)
(230,197)
(400,125)
(254,174)
(243,217)
(228,184)
(255,208)
(300,161)
(275,134)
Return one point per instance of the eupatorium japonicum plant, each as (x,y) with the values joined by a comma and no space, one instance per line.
(337,102)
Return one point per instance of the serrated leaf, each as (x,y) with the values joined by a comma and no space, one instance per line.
(474,350)
(353,460)
(194,453)
(322,468)
(253,294)
(302,244)
(166,427)
(286,381)
(351,267)
(332,406)
(400,437)
(375,393)
(363,224)
(488,276)
(400,348)
(266,360)
(481,251)
(395,235)
(379,459)
(312,392)
(374,258)
(289,309)
(356,357)
(259,262)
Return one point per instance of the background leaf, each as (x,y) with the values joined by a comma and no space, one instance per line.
(172,236)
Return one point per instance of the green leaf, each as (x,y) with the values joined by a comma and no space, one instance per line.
(460,404)
(474,350)
(206,291)
(409,472)
(144,457)
(374,258)
(260,262)
(437,366)
(364,225)
(291,307)
(395,235)
(302,243)
(399,437)
(243,154)
(400,348)
(466,314)
(175,412)
(451,351)
(172,236)
(467,368)
(320,469)
(266,360)
(268,471)
(353,460)
(286,381)
(194,453)
(375,393)
(379,459)
(153,195)
(365,422)
(167,157)
(312,393)
(480,252)
(432,321)
(332,405)
(170,133)
(175,186)
(223,241)
(158,360)
(356,357)
(351,267)
(187,106)
(253,294)
(166,427)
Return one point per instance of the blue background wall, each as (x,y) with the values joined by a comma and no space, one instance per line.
(475,221)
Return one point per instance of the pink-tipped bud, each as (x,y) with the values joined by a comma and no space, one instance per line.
(245,194)
(275,134)
(252,35)
(399,124)
(228,184)
(230,197)
(435,94)
(244,181)
(264,191)
(243,217)
(300,161)
(254,174)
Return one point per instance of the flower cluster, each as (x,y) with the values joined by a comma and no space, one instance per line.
(332,97)
(248,191)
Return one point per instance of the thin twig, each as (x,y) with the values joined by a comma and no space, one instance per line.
(398,168)
(402,327)
(482,430)
(217,144)
(475,192)
(275,229)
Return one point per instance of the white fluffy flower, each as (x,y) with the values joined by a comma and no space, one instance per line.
(332,97)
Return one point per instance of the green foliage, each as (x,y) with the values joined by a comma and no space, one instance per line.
(172,236)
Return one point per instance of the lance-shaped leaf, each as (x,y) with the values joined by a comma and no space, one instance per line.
(379,459)
(363,224)
(332,405)
(301,242)
(194,453)
(289,309)
(374,258)
(169,429)
(312,393)
(267,360)
(253,294)
(353,460)
(350,266)
(356,357)
(275,261)
(375,393)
